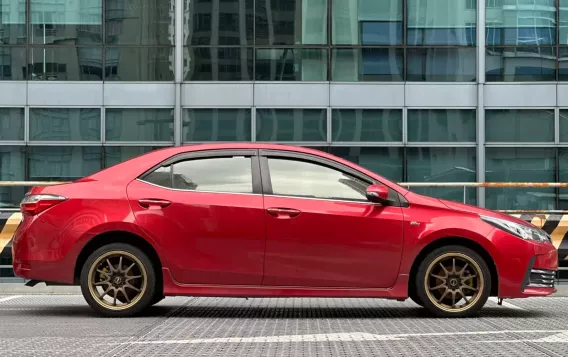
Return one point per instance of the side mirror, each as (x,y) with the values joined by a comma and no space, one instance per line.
(378,193)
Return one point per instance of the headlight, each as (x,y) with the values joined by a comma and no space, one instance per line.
(519,230)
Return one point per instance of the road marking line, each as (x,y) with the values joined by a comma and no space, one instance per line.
(10,298)
(506,304)
(330,337)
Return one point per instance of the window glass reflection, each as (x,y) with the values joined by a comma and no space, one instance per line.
(65,64)
(563,64)
(441,64)
(441,125)
(367,64)
(443,165)
(11,124)
(367,22)
(63,163)
(531,23)
(13,22)
(306,179)
(221,22)
(291,124)
(63,22)
(117,154)
(518,64)
(139,22)
(12,169)
(385,161)
(13,63)
(563,177)
(139,124)
(287,64)
(519,125)
(216,125)
(231,175)
(371,125)
(441,22)
(218,64)
(139,64)
(520,165)
(291,22)
(65,124)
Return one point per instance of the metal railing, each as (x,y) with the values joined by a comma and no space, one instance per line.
(409,185)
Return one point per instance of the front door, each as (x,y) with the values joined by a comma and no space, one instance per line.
(206,214)
(322,232)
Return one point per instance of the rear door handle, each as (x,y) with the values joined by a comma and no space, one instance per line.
(283,212)
(151,202)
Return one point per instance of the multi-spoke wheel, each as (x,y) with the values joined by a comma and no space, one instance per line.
(453,281)
(118,280)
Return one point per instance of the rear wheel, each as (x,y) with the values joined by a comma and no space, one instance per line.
(118,280)
(453,281)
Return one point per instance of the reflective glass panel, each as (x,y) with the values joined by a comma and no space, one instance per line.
(519,125)
(385,161)
(291,124)
(65,124)
(65,64)
(441,22)
(63,163)
(139,22)
(12,124)
(291,22)
(441,64)
(201,125)
(366,125)
(64,22)
(12,169)
(221,22)
(443,165)
(288,64)
(525,22)
(139,124)
(564,125)
(441,125)
(563,22)
(139,64)
(563,64)
(218,64)
(563,177)
(12,22)
(520,165)
(223,174)
(367,64)
(13,64)
(520,64)
(117,154)
(367,22)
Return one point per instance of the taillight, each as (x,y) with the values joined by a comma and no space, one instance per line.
(34,204)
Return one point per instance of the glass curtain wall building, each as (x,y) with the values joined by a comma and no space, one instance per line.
(417,90)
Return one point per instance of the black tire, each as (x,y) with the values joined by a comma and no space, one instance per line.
(157,298)
(476,266)
(414,297)
(140,301)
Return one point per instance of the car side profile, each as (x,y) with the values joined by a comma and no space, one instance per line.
(265,220)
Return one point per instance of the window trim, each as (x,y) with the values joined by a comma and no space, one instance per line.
(257,187)
(265,154)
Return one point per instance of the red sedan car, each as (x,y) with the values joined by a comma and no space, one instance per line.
(271,221)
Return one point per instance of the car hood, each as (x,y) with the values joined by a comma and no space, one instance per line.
(482,211)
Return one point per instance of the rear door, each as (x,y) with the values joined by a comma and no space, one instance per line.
(206,211)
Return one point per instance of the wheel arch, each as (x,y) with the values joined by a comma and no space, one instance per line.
(456,241)
(119,237)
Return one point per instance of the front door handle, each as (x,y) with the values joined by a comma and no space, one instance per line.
(151,202)
(283,212)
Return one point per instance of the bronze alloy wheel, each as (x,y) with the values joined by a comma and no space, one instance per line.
(117,280)
(454,282)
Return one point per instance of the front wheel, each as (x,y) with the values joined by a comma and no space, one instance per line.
(453,281)
(118,280)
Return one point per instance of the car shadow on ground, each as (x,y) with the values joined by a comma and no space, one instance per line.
(262,313)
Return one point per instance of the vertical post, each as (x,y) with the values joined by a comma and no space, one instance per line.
(480,101)
(464,194)
(178,65)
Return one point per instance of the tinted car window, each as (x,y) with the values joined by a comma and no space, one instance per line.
(233,175)
(305,179)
